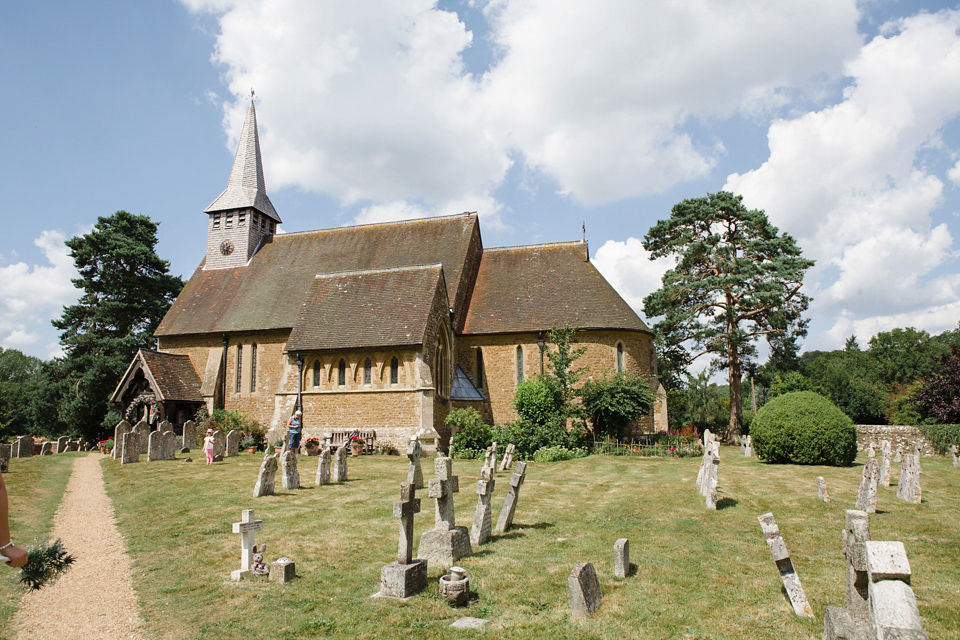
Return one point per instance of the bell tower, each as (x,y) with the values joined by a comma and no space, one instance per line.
(241,217)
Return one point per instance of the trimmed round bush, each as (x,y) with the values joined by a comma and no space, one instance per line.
(803,427)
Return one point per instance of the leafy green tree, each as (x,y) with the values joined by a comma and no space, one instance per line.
(737,279)
(851,344)
(126,292)
(18,384)
(905,355)
(851,380)
(707,404)
(563,357)
(790,382)
(938,396)
(613,403)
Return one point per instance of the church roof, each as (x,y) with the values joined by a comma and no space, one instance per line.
(246,187)
(533,288)
(362,309)
(463,388)
(172,377)
(268,292)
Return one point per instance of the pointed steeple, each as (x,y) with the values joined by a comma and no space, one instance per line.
(245,188)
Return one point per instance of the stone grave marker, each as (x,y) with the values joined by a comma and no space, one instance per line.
(585,594)
(73,445)
(956,458)
(408,575)
(142,429)
(898,457)
(871,452)
(247,527)
(24,446)
(340,464)
(510,504)
(189,436)
(291,475)
(480,532)
(710,483)
(131,448)
(822,489)
(323,468)
(46,449)
(122,428)
(887,454)
(155,446)
(869,479)
(233,443)
(165,426)
(169,445)
(493,449)
(414,471)
(787,573)
(621,558)
(63,443)
(507,461)
(219,445)
(746,446)
(266,480)
(908,487)
(446,542)
(489,457)
(282,570)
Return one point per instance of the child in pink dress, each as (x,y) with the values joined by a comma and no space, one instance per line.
(208,446)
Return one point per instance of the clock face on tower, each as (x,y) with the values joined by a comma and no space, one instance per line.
(226,247)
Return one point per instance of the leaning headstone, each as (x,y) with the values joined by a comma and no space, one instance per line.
(507,461)
(323,468)
(446,543)
(155,446)
(24,446)
(247,527)
(787,573)
(233,443)
(869,479)
(822,489)
(885,449)
(189,435)
(480,532)
(510,504)
(493,451)
(340,464)
(489,458)
(853,621)
(408,575)
(62,444)
(893,605)
(131,448)
(585,594)
(710,483)
(414,471)
(956,458)
(266,480)
(142,429)
(122,428)
(621,558)
(219,445)
(46,449)
(291,475)
(908,487)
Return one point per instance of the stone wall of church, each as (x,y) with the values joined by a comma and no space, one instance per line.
(324,411)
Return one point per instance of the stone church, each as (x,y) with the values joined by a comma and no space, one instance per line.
(381,326)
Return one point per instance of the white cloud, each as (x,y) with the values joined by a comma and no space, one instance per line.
(628,267)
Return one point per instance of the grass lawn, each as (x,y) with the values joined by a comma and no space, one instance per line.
(700,573)
(35,487)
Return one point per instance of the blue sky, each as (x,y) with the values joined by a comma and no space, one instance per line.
(839,118)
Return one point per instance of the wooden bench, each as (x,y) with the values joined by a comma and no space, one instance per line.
(338,437)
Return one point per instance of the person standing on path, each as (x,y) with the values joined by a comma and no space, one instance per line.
(208,446)
(17,557)
(295,426)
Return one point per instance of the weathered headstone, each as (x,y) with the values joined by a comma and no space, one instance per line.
(908,487)
(246,528)
(746,446)
(155,446)
(956,458)
(446,542)
(621,558)
(282,570)
(24,446)
(869,479)
(131,448)
(123,427)
(848,622)
(414,471)
(871,452)
(507,461)
(219,445)
(408,575)
(480,532)
(46,449)
(165,426)
(899,456)
(585,594)
(787,573)
(510,504)
(169,445)
(142,429)
(62,444)
(885,449)
(291,475)
(493,450)
(489,457)
(323,468)
(340,464)
(822,489)
(266,479)
(710,483)
(233,443)
(189,435)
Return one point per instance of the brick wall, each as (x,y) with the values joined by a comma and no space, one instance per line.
(903,436)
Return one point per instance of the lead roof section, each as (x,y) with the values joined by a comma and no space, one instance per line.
(368,309)
(269,291)
(537,287)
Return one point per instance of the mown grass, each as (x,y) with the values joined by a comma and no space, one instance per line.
(700,573)
(35,487)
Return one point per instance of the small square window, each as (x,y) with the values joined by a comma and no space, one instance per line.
(241,219)
(216,221)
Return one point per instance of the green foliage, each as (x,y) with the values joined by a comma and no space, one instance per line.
(558,454)
(562,358)
(539,401)
(737,278)
(938,395)
(941,436)
(18,385)
(472,433)
(126,292)
(528,438)
(790,382)
(45,563)
(803,427)
(851,380)
(904,355)
(707,404)
(227,421)
(613,403)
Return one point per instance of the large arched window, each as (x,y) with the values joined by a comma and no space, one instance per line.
(394,370)
(519,364)
(619,357)
(479,368)
(342,372)
(367,365)
(239,366)
(316,373)
(440,371)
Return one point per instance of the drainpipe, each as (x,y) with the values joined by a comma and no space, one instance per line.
(300,384)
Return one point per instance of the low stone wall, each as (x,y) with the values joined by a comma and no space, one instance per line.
(906,437)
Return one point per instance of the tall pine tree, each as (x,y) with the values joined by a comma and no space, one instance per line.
(126,292)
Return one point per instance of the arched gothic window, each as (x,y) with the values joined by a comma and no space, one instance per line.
(239,366)
(519,364)
(342,372)
(366,371)
(316,373)
(619,357)
(253,367)
(394,370)
(479,368)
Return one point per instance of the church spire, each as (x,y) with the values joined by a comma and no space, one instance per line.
(245,188)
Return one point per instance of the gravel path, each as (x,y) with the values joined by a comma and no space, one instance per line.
(94,599)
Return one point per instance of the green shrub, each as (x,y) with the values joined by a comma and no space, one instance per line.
(539,401)
(556,454)
(226,421)
(803,427)
(613,403)
(472,434)
(941,436)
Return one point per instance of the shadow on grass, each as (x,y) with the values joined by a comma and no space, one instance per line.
(539,525)
(726,503)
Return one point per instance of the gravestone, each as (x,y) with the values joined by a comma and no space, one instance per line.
(142,429)
(908,487)
(73,445)
(63,443)
(585,594)
(887,453)
(408,575)
(131,448)
(282,570)
(507,461)
(822,489)
(165,426)
(46,449)
(266,480)
(323,468)
(219,445)
(155,446)
(24,446)
(898,457)
(956,458)
(233,443)
(510,504)
(446,542)
(788,575)
(869,479)
(746,446)
(246,528)
(169,445)
(122,428)
(340,464)
(871,453)
(189,436)
(621,558)
(414,471)
(291,475)
(710,483)
(489,458)
(482,518)
(493,459)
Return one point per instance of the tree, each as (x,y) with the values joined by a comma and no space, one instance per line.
(905,355)
(18,384)
(736,279)
(126,292)
(562,359)
(613,403)
(938,396)
(851,380)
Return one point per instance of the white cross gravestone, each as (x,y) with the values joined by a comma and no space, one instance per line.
(246,528)
(507,461)
(414,472)
(445,543)
(480,532)
(510,504)
(869,480)
(408,575)
(787,573)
